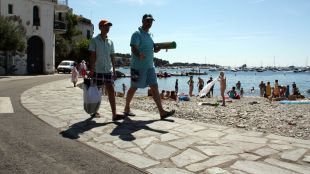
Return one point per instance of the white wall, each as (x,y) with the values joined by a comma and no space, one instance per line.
(83,28)
(24,9)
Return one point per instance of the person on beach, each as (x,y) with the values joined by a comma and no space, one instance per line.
(222,80)
(233,94)
(124,88)
(276,90)
(200,84)
(74,74)
(241,92)
(173,95)
(167,95)
(252,89)
(282,90)
(210,93)
(287,92)
(190,83)
(295,89)
(83,68)
(102,67)
(142,66)
(262,87)
(238,85)
(162,94)
(268,90)
(176,86)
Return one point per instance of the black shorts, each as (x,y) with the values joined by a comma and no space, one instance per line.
(103,78)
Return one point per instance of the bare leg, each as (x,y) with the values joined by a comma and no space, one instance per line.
(223,97)
(131,92)
(156,97)
(111,95)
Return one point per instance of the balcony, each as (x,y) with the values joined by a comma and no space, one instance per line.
(60,27)
(61,5)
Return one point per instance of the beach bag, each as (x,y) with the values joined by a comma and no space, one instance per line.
(91,96)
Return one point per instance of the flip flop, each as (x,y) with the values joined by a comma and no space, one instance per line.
(129,114)
(168,114)
(118,117)
(95,115)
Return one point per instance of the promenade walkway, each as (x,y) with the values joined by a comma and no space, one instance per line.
(166,147)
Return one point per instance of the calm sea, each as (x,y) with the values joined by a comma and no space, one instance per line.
(248,80)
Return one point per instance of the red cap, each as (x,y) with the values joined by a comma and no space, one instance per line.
(105,22)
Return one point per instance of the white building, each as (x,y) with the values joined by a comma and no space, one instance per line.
(86,27)
(42,19)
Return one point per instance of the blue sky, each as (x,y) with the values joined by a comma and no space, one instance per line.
(224,32)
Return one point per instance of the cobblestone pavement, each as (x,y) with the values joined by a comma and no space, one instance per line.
(165,147)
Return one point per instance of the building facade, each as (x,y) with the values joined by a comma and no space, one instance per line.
(42,19)
(86,28)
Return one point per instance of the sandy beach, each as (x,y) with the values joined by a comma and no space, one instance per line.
(249,113)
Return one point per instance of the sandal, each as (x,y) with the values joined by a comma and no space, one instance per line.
(95,115)
(129,114)
(168,114)
(118,117)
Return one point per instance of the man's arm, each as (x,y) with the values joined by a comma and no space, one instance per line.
(136,52)
(92,62)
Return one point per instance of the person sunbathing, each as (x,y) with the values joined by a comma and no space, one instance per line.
(162,94)
(233,94)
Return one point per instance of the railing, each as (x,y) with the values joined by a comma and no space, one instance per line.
(61,2)
(59,25)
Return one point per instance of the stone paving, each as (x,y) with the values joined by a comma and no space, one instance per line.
(165,147)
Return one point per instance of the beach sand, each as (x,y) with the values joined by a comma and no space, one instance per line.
(249,113)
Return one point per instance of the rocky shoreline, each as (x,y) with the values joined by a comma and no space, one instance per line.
(249,113)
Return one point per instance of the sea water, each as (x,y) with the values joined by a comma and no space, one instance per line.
(248,80)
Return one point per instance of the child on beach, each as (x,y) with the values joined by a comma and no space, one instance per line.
(222,80)
(74,74)
(241,92)
(191,86)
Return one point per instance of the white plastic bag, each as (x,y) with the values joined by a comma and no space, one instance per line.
(92,99)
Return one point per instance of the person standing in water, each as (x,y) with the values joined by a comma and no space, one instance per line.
(176,86)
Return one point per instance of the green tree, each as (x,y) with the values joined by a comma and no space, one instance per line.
(65,45)
(82,50)
(62,49)
(72,21)
(13,38)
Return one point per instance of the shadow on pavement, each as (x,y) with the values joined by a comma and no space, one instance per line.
(125,129)
(80,127)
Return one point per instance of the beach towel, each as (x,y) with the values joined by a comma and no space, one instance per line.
(295,102)
(206,89)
